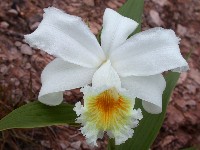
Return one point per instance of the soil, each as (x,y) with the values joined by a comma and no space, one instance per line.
(21,66)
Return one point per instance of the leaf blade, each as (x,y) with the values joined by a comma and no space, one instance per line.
(149,127)
(133,9)
(36,114)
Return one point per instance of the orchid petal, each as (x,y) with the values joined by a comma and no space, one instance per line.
(116,29)
(59,76)
(147,88)
(148,53)
(107,111)
(67,37)
(106,77)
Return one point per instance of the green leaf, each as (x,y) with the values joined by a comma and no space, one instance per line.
(133,9)
(150,125)
(36,114)
(111,145)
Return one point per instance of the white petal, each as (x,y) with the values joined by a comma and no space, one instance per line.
(149,89)
(116,30)
(126,131)
(148,53)
(100,135)
(91,134)
(67,37)
(78,108)
(106,76)
(59,76)
(117,123)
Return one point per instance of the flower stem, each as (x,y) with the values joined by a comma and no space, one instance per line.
(111,144)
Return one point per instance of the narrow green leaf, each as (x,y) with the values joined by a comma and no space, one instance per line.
(36,114)
(111,145)
(150,125)
(133,9)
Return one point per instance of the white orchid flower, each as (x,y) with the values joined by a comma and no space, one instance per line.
(119,70)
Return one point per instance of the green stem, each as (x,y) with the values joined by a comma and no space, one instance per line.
(111,144)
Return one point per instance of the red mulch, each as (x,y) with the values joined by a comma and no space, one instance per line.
(21,66)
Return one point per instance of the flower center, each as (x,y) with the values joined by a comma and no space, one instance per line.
(109,110)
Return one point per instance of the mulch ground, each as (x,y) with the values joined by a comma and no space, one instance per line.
(21,66)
